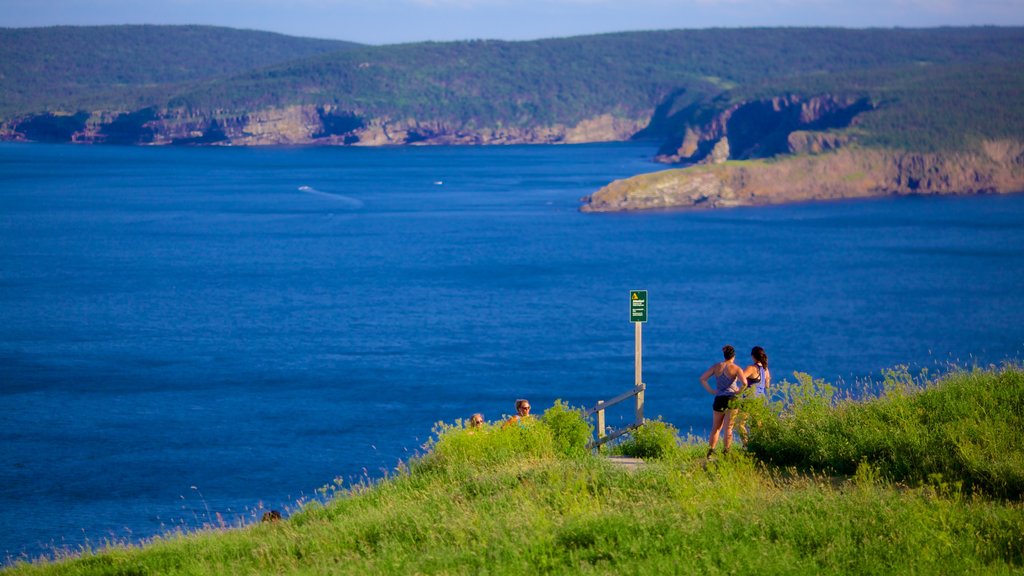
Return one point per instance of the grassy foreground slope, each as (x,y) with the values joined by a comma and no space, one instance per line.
(927,479)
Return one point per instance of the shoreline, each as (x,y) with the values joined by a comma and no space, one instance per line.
(997,167)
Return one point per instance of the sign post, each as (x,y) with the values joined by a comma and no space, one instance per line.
(638,315)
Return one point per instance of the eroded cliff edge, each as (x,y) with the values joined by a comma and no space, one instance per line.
(997,166)
(301,125)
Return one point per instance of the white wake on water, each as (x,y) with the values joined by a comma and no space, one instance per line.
(346,201)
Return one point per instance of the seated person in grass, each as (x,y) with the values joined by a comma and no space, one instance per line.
(522,413)
(476,421)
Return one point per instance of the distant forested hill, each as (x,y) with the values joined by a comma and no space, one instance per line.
(471,85)
(119,67)
(707,94)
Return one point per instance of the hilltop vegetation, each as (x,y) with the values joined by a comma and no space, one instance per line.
(926,478)
(567,80)
(950,108)
(919,107)
(923,90)
(72,68)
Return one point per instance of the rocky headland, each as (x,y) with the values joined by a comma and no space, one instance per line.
(995,167)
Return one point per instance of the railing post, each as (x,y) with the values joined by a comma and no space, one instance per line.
(640,404)
(603,435)
(638,354)
(639,374)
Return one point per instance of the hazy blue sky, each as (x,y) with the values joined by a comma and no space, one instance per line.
(390,21)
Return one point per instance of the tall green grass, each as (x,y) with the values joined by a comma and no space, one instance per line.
(965,431)
(561,431)
(523,499)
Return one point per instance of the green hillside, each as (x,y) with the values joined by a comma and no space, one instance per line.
(951,107)
(113,67)
(920,89)
(926,479)
(567,80)
(923,107)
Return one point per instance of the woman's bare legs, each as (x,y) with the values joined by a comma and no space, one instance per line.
(729,418)
(716,428)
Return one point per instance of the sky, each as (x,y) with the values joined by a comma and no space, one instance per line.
(398,21)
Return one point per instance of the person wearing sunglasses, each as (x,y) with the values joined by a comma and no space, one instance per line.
(522,413)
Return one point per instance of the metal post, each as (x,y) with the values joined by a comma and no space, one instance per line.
(639,354)
(639,373)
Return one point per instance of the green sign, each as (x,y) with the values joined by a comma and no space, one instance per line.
(638,305)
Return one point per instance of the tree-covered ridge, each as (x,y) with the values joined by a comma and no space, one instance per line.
(567,80)
(468,83)
(70,67)
(952,107)
(924,89)
(924,106)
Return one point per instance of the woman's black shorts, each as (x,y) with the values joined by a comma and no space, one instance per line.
(722,403)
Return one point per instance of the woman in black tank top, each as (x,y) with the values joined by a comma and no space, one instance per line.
(754,374)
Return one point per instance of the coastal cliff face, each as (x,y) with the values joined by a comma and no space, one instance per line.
(793,149)
(703,134)
(756,152)
(757,128)
(316,125)
(995,167)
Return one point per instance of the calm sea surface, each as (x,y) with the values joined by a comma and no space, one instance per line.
(193,332)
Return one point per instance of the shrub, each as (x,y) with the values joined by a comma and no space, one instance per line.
(788,430)
(570,431)
(492,444)
(655,439)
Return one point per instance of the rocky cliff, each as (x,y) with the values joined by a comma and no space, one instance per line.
(299,125)
(758,128)
(747,129)
(753,152)
(994,167)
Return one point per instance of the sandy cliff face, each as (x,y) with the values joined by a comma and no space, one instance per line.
(996,167)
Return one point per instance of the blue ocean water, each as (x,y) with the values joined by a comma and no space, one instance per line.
(194,332)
